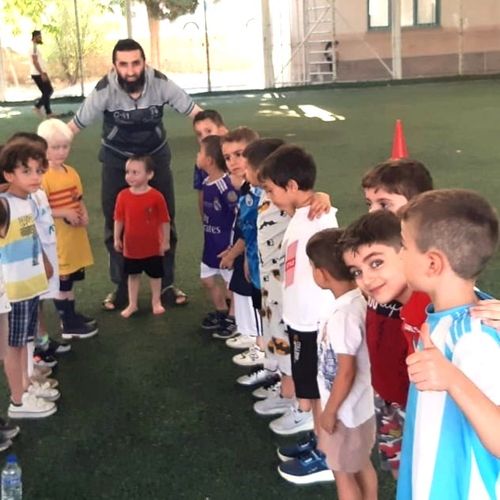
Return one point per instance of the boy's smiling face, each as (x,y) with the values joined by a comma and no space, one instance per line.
(377,198)
(378,272)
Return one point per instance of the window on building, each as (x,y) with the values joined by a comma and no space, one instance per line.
(413,13)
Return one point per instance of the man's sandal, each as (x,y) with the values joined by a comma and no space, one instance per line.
(174,296)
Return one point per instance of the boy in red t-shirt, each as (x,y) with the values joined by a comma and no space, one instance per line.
(392,307)
(141,231)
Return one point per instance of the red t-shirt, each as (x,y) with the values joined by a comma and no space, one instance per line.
(413,315)
(388,349)
(142,216)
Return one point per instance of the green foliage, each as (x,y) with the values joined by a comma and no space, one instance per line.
(170,9)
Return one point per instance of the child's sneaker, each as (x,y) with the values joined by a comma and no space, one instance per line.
(44,391)
(292,422)
(267,390)
(91,322)
(213,320)
(42,371)
(5,442)
(43,358)
(54,348)
(32,407)
(273,405)
(77,329)
(257,376)
(227,329)
(253,357)
(40,379)
(303,445)
(241,342)
(308,469)
(8,430)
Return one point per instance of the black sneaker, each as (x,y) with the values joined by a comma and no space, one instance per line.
(8,430)
(213,320)
(227,330)
(87,320)
(5,443)
(77,330)
(43,358)
(56,347)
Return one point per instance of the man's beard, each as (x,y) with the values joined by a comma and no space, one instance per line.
(135,86)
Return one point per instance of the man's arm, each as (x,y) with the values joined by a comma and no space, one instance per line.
(36,63)
(195,111)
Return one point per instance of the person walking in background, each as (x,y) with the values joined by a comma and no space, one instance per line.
(39,76)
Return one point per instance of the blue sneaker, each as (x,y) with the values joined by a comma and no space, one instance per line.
(303,445)
(308,469)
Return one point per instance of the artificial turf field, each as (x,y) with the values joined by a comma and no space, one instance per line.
(149,407)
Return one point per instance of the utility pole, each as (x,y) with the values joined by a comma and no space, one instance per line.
(397,71)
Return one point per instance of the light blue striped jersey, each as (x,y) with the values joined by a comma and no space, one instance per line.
(442,456)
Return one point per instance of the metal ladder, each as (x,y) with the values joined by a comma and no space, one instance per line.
(319,41)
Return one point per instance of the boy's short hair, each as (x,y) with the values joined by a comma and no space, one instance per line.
(382,227)
(289,162)
(209,114)
(30,136)
(54,128)
(127,45)
(212,147)
(324,250)
(18,152)
(458,222)
(146,160)
(406,177)
(257,151)
(240,134)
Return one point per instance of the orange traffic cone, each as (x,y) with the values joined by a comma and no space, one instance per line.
(399,147)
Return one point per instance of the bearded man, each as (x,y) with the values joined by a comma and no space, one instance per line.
(130,99)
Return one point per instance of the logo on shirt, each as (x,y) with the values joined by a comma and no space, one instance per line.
(217,205)
(290,262)
(232,196)
(249,200)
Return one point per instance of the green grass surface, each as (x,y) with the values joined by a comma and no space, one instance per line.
(150,408)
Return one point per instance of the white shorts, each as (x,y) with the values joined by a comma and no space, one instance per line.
(208,272)
(248,320)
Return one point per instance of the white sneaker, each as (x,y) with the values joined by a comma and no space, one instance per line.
(257,376)
(267,390)
(273,405)
(254,356)
(43,371)
(292,421)
(44,391)
(53,383)
(32,407)
(241,342)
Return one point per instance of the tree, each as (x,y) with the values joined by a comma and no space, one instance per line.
(164,9)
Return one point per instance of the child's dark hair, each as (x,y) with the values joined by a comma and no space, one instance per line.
(209,114)
(4,213)
(406,177)
(288,163)
(18,152)
(146,160)
(257,151)
(459,223)
(30,136)
(324,250)
(212,147)
(381,227)
(240,134)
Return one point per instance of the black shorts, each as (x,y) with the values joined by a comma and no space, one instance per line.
(152,266)
(304,354)
(66,284)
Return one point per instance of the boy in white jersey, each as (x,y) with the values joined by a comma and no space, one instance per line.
(448,237)
(288,176)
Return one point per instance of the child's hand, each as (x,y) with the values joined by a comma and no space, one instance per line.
(164,247)
(488,311)
(118,245)
(84,219)
(72,216)
(246,270)
(320,204)
(429,370)
(328,420)
(226,259)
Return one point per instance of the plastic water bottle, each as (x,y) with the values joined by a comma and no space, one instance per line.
(12,486)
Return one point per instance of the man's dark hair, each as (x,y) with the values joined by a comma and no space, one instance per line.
(35,33)
(379,227)
(288,163)
(127,45)
(460,223)
(257,151)
(212,147)
(209,114)
(18,152)
(148,162)
(406,177)
(30,136)
(325,252)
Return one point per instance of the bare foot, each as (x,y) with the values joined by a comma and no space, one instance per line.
(128,311)
(158,309)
